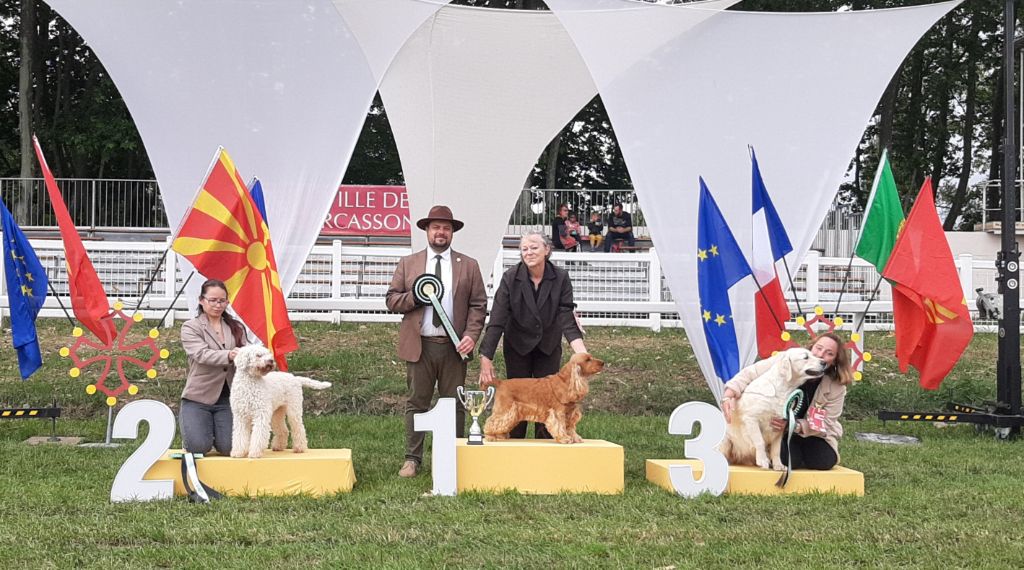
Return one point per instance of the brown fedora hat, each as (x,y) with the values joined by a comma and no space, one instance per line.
(440,213)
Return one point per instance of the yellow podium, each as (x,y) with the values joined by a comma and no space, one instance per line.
(316,472)
(745,480)
(541,467)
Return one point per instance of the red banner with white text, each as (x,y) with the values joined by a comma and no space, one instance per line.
(368,211)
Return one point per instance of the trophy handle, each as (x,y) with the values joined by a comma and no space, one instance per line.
(462,395)
(490,396)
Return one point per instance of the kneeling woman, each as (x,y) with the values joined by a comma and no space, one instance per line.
(816,441)
(211,341)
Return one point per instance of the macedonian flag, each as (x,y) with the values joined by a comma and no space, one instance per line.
(224,236)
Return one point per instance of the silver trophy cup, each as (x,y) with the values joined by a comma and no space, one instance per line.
(475,402)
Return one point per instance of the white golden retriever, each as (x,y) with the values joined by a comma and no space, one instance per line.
(750,438)
(261,399)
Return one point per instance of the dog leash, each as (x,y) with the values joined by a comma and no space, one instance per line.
(197,491)
(793,403)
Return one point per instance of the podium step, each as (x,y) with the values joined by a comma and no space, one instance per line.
(316,472)
(541,467)
(745,480)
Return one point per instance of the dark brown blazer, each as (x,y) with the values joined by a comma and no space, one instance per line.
(529,323)
(208,364)
(469,300)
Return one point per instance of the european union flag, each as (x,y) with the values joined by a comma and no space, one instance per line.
(256,191)
(720,265)
(26,291)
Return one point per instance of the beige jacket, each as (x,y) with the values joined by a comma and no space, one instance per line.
(469,300)
(830,397)
(208,364)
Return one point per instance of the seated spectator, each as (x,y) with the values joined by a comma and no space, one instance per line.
(620,228)
(571,239)
(558,227)
(596,229)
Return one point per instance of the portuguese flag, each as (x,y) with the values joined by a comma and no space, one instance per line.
(883,218)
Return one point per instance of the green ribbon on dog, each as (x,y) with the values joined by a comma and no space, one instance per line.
(793,403)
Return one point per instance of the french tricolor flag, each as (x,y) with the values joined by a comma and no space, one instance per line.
(770,245)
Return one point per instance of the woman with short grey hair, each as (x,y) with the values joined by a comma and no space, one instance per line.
(533,310)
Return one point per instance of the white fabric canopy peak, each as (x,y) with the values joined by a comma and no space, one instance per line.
(283,85)
(799,87)
(473,99)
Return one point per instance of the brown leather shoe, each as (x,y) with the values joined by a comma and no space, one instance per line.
(409,468)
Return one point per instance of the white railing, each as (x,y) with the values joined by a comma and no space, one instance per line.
(342,283)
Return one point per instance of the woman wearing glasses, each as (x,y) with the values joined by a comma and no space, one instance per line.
(211,341)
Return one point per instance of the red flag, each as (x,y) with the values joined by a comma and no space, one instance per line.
(226,238)
(933,325)
(771,310)
(88,299)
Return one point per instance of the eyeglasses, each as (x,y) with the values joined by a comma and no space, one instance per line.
(216,301)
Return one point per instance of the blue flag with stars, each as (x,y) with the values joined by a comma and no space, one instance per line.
(720,265)
(26,291)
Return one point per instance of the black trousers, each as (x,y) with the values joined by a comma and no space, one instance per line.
(536,364)
(810,453)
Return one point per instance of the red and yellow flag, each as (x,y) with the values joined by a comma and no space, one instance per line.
(88,299)
(224,236)
(933,325)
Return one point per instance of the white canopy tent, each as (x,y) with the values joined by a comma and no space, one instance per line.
(799,87)
(474,95)
(283,85)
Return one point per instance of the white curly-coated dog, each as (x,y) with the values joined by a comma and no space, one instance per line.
(261,398)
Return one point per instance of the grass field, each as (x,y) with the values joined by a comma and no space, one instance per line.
(955,500)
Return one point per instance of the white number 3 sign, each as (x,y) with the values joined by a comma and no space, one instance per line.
(704,448)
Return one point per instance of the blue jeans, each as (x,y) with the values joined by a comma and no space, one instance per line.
(205,427)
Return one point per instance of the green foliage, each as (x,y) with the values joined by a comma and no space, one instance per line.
(78,114)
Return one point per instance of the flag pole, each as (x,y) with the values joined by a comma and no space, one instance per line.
(860,234)
(176,296)
(775,317)
(874,293)
(152,279)
(61,303)
(778,323)
(792,286)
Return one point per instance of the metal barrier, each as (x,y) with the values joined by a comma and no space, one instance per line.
(95,204)
(343,283)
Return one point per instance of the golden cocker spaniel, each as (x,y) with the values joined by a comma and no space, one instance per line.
(553,400)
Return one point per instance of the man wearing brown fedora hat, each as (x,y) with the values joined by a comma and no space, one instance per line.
(430,358)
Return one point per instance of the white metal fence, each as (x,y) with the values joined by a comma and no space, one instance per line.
(342,283)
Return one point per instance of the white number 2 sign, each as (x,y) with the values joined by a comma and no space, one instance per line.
(704,447)
(129,484)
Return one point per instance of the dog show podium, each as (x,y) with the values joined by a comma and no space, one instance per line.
(744,480)
(541,467)
(316,472)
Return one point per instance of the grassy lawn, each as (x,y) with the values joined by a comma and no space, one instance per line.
(955,500)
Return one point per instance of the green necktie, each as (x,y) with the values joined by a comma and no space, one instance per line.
(437,273)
